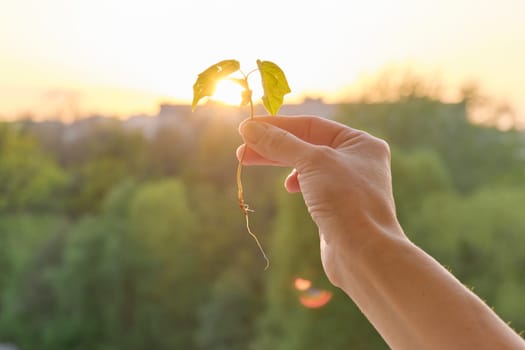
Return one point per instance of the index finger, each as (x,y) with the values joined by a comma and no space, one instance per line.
(312,129)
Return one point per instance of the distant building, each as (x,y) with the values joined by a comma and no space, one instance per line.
(188,123)
(146,124)
(311,106)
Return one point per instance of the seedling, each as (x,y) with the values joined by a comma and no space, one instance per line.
(274,85)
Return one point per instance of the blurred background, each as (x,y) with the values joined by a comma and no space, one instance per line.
(119,222)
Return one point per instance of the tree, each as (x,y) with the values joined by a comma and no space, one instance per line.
(94,285)
(415,176)
(30,247)
(227,318)
(480,237)
(472,155)
(28,177)
(167,286)
(101,155)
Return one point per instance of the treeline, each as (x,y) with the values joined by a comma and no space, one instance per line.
(114,240)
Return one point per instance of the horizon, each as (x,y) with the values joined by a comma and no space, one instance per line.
(120,58)
(211,104)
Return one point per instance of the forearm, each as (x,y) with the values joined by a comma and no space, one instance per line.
(415,303)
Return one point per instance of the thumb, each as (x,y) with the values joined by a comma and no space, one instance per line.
(274,143)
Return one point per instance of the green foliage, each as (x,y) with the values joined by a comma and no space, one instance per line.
(98,250)
(111,240)
(235,289)
(472,155)
(168,154)
(99,160)
(28,176)
(480,237)
(30,246)
(163,230)
(416,175)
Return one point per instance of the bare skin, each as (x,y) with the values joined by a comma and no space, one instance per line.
(345,179)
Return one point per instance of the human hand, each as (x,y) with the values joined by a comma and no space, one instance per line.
(343,174)
(345,179)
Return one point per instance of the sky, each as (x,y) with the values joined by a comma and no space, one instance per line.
(125,57)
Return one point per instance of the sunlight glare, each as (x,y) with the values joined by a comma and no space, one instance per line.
(228,92)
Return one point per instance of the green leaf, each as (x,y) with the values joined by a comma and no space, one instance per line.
(207,80)
(274,84)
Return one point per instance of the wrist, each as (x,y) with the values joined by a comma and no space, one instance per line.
(377,243)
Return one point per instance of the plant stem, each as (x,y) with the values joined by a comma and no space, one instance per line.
(245,208)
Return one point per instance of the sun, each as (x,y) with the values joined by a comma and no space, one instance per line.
(228,92)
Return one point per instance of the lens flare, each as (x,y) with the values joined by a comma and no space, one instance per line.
(309,296)
(302,284)
(315,298)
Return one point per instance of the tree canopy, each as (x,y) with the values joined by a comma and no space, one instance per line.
(115,239)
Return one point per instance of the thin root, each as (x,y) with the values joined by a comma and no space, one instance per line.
(246,210)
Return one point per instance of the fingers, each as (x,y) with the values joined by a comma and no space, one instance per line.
(292,182)
(312,129)
(273,144)
(253,158)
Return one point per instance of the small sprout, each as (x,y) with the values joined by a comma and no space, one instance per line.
(275,86)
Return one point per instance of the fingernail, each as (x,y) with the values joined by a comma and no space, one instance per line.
(253,131)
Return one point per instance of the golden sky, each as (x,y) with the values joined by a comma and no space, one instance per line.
(124,57)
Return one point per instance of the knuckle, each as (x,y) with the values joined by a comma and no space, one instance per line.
(320,154)
(383,147)
(378,147)
(328,158)
(315,157)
